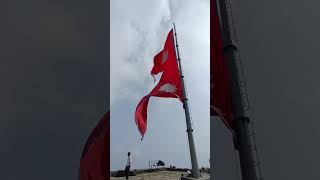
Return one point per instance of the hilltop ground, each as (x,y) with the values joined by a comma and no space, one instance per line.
(159,175)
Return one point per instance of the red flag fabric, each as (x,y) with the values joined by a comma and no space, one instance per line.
(169,85)
(95,158)
(220,93)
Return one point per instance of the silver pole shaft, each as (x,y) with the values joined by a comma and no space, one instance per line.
(194,161)
(248,171)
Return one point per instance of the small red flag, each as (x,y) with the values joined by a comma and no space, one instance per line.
(220,93)
(95,158)
(169,85)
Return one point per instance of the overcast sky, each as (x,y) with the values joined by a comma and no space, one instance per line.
(138,33)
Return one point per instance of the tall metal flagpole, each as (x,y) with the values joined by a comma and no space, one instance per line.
(194,161)
(241,121)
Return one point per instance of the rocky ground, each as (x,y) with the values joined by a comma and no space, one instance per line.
(160,175)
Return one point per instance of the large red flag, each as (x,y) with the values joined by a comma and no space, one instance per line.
(169,85)
(220,94)
(95,158)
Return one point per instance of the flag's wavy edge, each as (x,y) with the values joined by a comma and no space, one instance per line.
(95,157)
(166,62)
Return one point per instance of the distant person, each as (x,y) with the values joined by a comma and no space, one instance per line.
(127,170)
(202,170)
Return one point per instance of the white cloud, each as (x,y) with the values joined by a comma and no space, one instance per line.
(135,29)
